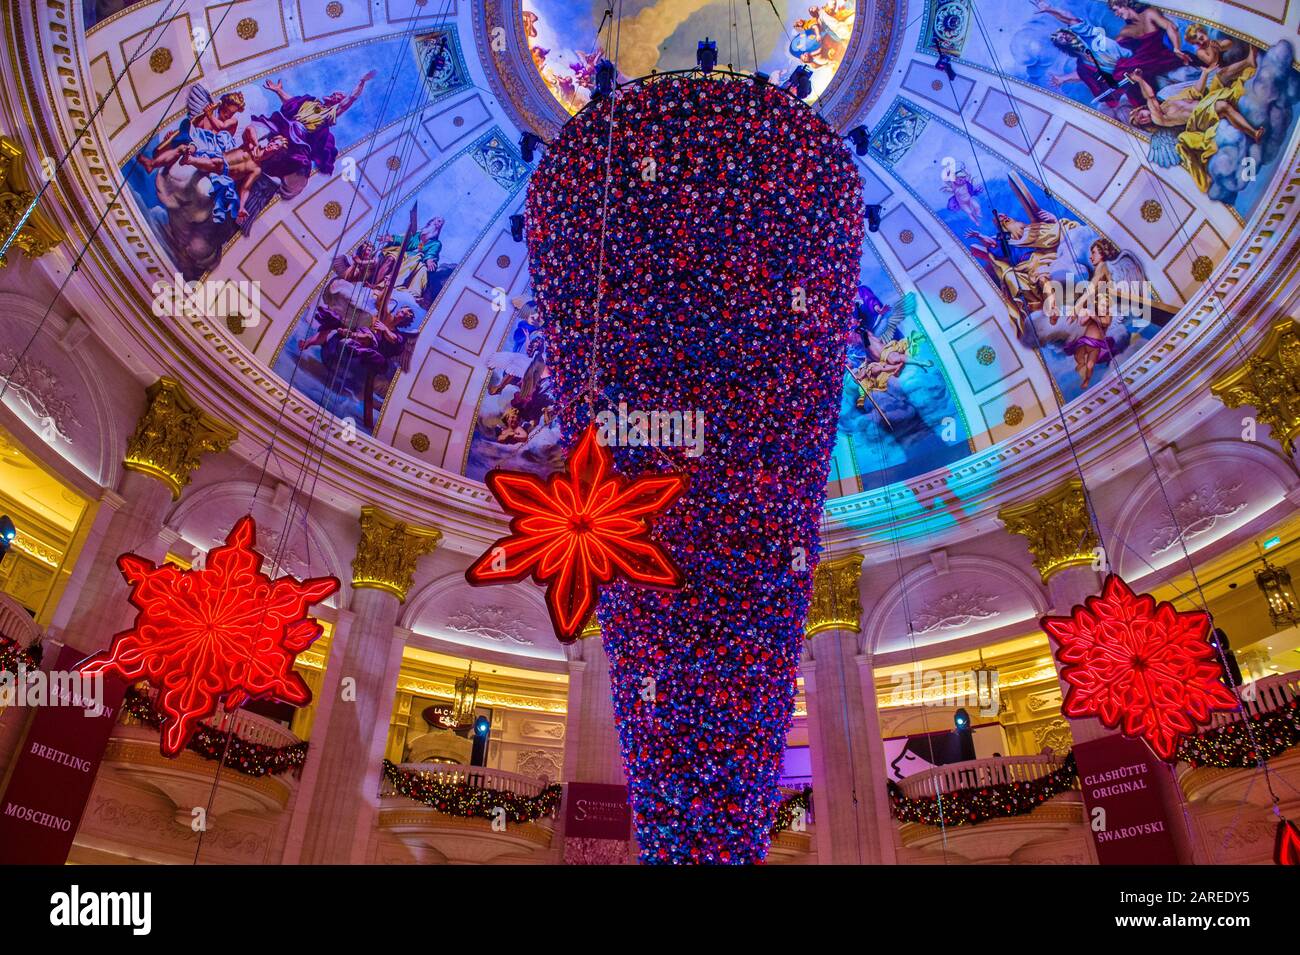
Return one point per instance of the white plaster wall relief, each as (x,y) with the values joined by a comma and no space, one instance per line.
(493,622)
(954,610)
(1196,513)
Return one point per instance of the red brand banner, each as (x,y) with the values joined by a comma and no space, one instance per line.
(1123,778)
(597,811)
(55,770)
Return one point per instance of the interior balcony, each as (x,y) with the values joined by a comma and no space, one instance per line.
(1055,832)
(434,837)
(186,781)
(1216,796)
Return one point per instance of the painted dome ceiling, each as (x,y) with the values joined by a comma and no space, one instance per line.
(328,146)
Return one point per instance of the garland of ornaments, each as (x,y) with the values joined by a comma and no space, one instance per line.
(792,806)
(14,656)
(1235,746)
(251,759)
(468,801)
(969,807)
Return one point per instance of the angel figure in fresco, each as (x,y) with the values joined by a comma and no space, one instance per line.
(525,368)
(362,266)
(888,351)
(236,173)
(308,123)
(1116,289)
(962,192)
(1197,109)
(530,24)
(210,127)
(1148,41)
(1025,286)
(584,68)
(820,38)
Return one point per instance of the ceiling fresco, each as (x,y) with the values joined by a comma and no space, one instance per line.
(350,159)
(773,36)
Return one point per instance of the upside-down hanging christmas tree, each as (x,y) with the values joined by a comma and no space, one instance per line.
(723,222)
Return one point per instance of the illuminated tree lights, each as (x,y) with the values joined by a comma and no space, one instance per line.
(577,531)
(968,807)
(466,800)
(15,657)
(1143,668)
(727,257)
(212,637)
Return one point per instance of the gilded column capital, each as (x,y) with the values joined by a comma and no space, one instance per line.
(172,436)
(38,234)
(835,604)
(388,550)
(1057,526)
(592,629)
(1269,380)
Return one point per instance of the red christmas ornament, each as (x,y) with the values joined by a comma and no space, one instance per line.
(577,531)
(220,635)
(1143,668)
(1286,850)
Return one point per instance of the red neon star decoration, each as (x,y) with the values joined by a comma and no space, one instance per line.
(1286,850)
(220,635)
(1138,666)
(578,530)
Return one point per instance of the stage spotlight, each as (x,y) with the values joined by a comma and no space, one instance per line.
(800,82)
(604,79)
(517,227)
(965,734)
(760,79)
(861,139)
(945,64)
(481,726)
(706,55)
(7,534)
(873,217)
(528,144)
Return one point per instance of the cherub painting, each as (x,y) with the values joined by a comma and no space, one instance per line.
(1024,282)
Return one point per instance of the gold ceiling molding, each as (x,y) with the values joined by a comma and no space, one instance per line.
(1057,527)
(388,550)
(38,234)
(1269,380)
(835,604)
(172,436)
(432,689)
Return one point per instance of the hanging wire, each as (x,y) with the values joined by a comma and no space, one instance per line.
(108,207)
(1119,375)
(50,175)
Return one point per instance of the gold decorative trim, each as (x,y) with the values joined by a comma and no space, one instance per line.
(419,817)
(388,550)
(1058,528)
(1270,381)
(172,436)
(835,604)
(38,234)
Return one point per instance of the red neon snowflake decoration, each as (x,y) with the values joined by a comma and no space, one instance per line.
(220,635)
(577,531)
(1286,850)
(1143,668)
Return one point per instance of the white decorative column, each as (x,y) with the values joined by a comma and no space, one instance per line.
(1065,547)
(348,738)
(849,799)
(166,448)
(591,753)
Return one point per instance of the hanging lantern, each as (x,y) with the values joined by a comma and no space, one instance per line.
(1283,605)
(466,698)
(986,696)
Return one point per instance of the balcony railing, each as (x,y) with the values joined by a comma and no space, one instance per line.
(1263,695)
(480,777)
(248,726)
(973,773)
